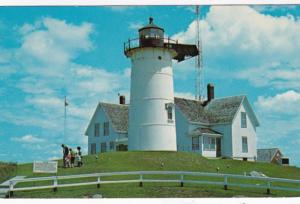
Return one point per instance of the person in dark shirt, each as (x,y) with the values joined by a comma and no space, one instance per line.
(79,164)
(65,153)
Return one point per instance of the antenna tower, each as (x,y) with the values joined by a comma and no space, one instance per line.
(199,82)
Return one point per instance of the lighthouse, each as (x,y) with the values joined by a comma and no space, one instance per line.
(151,111)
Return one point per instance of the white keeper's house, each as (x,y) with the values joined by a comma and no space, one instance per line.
(216,127)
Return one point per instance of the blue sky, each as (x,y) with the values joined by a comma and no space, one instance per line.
(49,52)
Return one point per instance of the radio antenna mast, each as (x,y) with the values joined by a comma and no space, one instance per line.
(199,61)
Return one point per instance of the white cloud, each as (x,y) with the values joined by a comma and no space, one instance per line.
(279,117)
(28,139)
(55,38)
(241,38)
(186,95)
(47,102)
(287,103)
(278,75)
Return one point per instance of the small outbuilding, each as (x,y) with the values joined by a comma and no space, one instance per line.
(272,155)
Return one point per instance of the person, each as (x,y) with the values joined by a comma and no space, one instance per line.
(68,160)
(65,154)
(79,156)
(72,152)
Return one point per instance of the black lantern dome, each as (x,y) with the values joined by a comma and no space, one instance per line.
(151,35)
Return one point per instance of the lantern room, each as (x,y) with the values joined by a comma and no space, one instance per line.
(151,35)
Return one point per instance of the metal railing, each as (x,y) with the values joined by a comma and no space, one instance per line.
(224,180)
(134,43)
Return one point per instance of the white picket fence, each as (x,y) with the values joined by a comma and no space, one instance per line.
(266,182)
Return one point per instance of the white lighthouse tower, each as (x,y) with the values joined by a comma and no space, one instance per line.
(151,112)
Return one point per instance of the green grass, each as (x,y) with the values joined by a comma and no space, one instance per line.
(7,170)
(173,161)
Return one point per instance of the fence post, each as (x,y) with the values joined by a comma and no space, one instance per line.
(55,184)
(141,180)
(269,187)
(98,184)
(11,188)
(225,183)
(181,180)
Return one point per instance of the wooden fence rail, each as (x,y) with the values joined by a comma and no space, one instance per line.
(268,183)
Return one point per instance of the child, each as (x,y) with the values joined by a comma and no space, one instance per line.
(68,160)
(79,164)
(72,157)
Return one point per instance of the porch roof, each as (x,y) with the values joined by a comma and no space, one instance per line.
(205,131)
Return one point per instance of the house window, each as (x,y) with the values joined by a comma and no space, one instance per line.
(209,143)
(97,130)
(93,148)
(106,128)
(195,143)
(169,108)
(112,146)
(244,145)
(243,120)
(103,147)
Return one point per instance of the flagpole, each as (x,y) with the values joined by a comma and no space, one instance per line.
(65,117)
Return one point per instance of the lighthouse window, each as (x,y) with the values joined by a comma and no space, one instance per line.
(170,115)
(169,108)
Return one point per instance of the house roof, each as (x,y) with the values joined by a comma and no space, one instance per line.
(118,114)
(219,110)
(200,131)
(266,155)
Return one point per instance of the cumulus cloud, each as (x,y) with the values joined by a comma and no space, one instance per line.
(279,117)
(241,38)
(28,139)
(287,103)
(55,38)
(278,75)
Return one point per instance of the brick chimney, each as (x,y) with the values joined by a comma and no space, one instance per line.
(210,92)
(122,100)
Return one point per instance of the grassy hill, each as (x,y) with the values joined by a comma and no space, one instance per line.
(174,161)
(7,170)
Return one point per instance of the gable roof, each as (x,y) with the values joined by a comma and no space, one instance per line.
(267,155)
(192,110)
(117,114)
(220,110)
(201,130)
